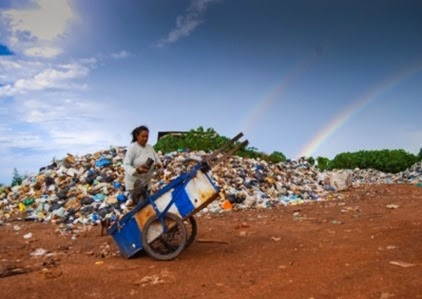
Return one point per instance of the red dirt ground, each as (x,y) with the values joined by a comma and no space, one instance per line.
(363,243)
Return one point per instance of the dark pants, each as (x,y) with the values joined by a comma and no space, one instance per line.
(138,195)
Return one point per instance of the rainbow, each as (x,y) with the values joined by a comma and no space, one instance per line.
(362,102)
(274,93)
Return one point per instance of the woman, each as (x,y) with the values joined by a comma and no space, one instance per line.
(139,163)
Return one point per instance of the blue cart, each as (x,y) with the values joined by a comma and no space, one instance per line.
(164,225)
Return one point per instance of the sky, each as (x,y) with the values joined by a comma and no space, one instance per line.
(301,77)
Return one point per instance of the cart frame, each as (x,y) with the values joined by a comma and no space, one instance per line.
(162,218)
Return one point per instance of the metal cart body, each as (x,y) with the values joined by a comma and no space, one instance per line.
(184,196)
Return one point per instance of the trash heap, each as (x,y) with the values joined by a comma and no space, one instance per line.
(86,189)
(412,175)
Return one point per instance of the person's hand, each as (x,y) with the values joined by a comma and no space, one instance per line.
(141,169)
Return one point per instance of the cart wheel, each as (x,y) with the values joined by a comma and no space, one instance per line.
(164,244)
(191,230)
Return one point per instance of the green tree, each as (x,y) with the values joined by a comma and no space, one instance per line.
(391,161)
(311,160)
(322,163)
(420,155)
(209,140)
(277,157)
(194,140)
(17,179)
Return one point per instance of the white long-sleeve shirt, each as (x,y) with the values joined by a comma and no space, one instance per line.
(137,155)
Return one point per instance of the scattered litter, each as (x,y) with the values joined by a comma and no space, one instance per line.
(402,264)
(28,236)
(149,280)
(38,252)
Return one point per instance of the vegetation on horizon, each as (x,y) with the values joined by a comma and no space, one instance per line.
(389,161)
(209,140)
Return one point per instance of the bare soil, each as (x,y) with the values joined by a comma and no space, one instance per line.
(362,243)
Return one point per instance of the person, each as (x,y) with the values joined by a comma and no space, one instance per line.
(139,164)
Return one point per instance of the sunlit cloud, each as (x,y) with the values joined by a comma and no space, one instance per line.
(44,19)
(188,22)
(36,29)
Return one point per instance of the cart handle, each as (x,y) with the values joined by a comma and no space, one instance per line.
(223,147)
(230,152)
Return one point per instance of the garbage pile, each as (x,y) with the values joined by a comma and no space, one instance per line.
(86,189)
(412,175)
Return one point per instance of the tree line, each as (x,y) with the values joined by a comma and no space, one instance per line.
(390,161)
(208,140)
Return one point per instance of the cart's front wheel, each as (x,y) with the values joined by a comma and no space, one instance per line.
(191,230)
(164,240)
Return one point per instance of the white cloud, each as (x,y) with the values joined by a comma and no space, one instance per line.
(90,137)
(57,109)
(45,20)
(36,29)
(12,69)
(20,139)
(187,23)
(47,52)
(89,61)
(58,77)
(56,121)
(121,55)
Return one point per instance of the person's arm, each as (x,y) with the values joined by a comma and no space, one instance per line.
(157,160)
(128,161)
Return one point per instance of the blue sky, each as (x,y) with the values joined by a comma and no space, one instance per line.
(303,77)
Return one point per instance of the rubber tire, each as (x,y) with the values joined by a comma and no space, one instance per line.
(160,248)
(191,230)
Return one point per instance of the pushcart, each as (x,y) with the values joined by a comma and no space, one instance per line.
(163,224)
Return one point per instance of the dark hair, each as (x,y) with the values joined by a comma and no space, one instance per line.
(137,131)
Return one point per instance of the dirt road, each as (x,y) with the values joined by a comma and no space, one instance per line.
(363,243)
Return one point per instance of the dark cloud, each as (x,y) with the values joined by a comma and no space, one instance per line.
(25,36)
(5,51)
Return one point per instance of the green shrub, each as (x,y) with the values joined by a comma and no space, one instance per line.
(391,161)
(17,178)
(194,140)
(277,157)
(209,140)
(311,160)
(322,163)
